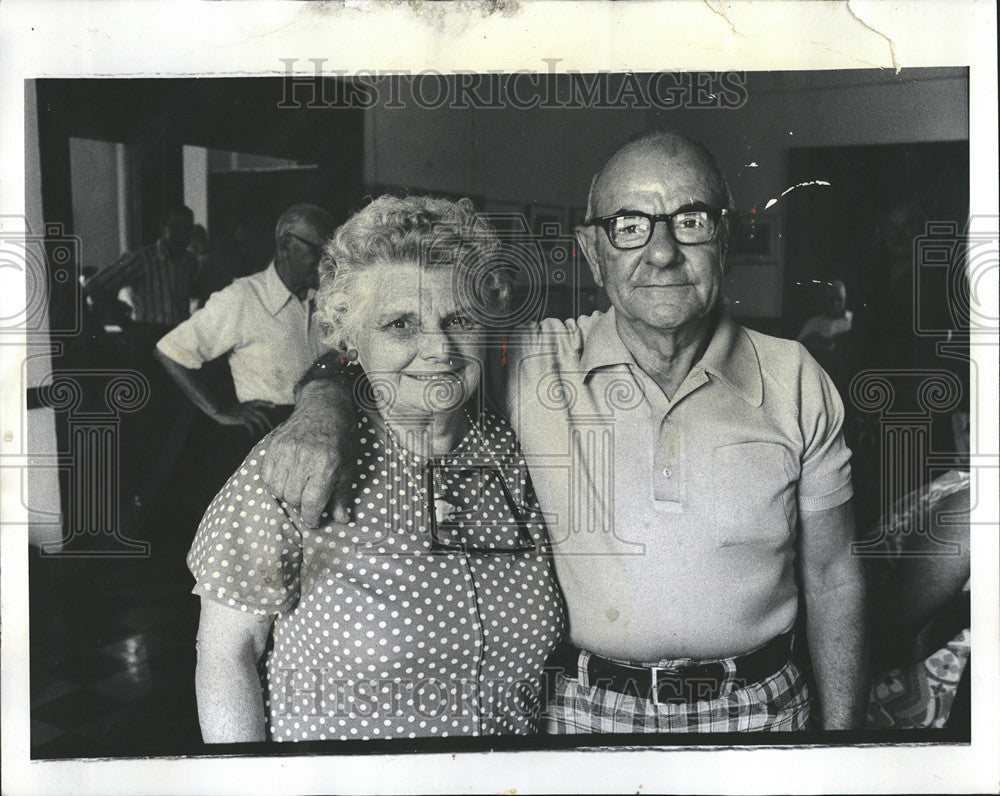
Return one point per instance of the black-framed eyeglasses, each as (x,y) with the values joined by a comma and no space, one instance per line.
(315,248)
(441,530)
(688,226)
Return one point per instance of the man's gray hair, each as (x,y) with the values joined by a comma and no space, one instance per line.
(307,215)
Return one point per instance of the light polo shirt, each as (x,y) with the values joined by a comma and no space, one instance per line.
(270,336)
(673,522)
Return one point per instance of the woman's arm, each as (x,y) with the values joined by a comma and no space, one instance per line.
(230,645)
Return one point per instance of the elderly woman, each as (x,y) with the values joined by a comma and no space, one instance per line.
(433,612)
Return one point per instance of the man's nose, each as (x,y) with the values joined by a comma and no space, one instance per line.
(662,250)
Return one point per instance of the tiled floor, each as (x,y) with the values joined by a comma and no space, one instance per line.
(112,651)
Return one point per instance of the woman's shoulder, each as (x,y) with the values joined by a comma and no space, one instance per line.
(248,478)
(247,550)
(245,501)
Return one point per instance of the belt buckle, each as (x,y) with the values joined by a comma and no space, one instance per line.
(671,670)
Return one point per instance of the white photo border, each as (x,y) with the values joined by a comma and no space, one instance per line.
(242,38)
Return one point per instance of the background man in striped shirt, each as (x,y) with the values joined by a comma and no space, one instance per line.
(146,293)
(157,279)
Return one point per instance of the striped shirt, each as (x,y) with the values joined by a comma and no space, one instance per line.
(158,289)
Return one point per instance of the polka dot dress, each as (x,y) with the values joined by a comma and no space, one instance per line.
(379,633)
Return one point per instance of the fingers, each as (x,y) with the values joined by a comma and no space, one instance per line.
(254,417)
(275,474)
(315,495)
(275,481)
(295,482)
(342,497)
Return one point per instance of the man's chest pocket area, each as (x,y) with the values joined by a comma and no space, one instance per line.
(754,492)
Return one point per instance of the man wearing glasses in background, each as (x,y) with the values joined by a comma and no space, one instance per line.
(692,473)
(264,325)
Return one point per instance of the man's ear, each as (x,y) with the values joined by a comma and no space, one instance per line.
(586,239)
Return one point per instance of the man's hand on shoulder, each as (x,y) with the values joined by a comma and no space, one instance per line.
(311,457)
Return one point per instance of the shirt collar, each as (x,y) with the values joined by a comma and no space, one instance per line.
(730,355)
(163,254)
(161,250)
(604,347)
(275,294)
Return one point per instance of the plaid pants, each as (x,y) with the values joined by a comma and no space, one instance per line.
(779,703)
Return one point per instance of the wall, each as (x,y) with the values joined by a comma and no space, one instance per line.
(546,155)
(195,159)
(94,181)
(40,481)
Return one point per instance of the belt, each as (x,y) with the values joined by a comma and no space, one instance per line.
(670,685)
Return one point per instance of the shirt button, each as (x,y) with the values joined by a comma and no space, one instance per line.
(667,472)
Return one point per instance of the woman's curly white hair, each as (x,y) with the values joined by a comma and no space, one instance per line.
(427,230)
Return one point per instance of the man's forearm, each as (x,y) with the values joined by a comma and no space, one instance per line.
(198,386)
(837,636)
(311,456)
(321,398)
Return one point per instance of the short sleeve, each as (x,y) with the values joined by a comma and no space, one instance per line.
(212,331)
(825,480)
(247,552)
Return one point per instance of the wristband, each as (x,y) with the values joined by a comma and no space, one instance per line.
(334,365)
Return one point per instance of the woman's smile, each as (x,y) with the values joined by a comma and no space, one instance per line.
(445,374)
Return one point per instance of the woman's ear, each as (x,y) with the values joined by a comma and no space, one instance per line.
(349,346)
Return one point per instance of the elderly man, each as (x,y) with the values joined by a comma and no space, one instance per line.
(692,473)
(263,323)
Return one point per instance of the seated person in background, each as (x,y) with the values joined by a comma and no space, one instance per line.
(828,337)
(918,569)
(820,332)
(141,297)
(433,612)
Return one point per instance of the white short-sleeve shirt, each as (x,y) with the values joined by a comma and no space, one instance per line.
(270,336)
